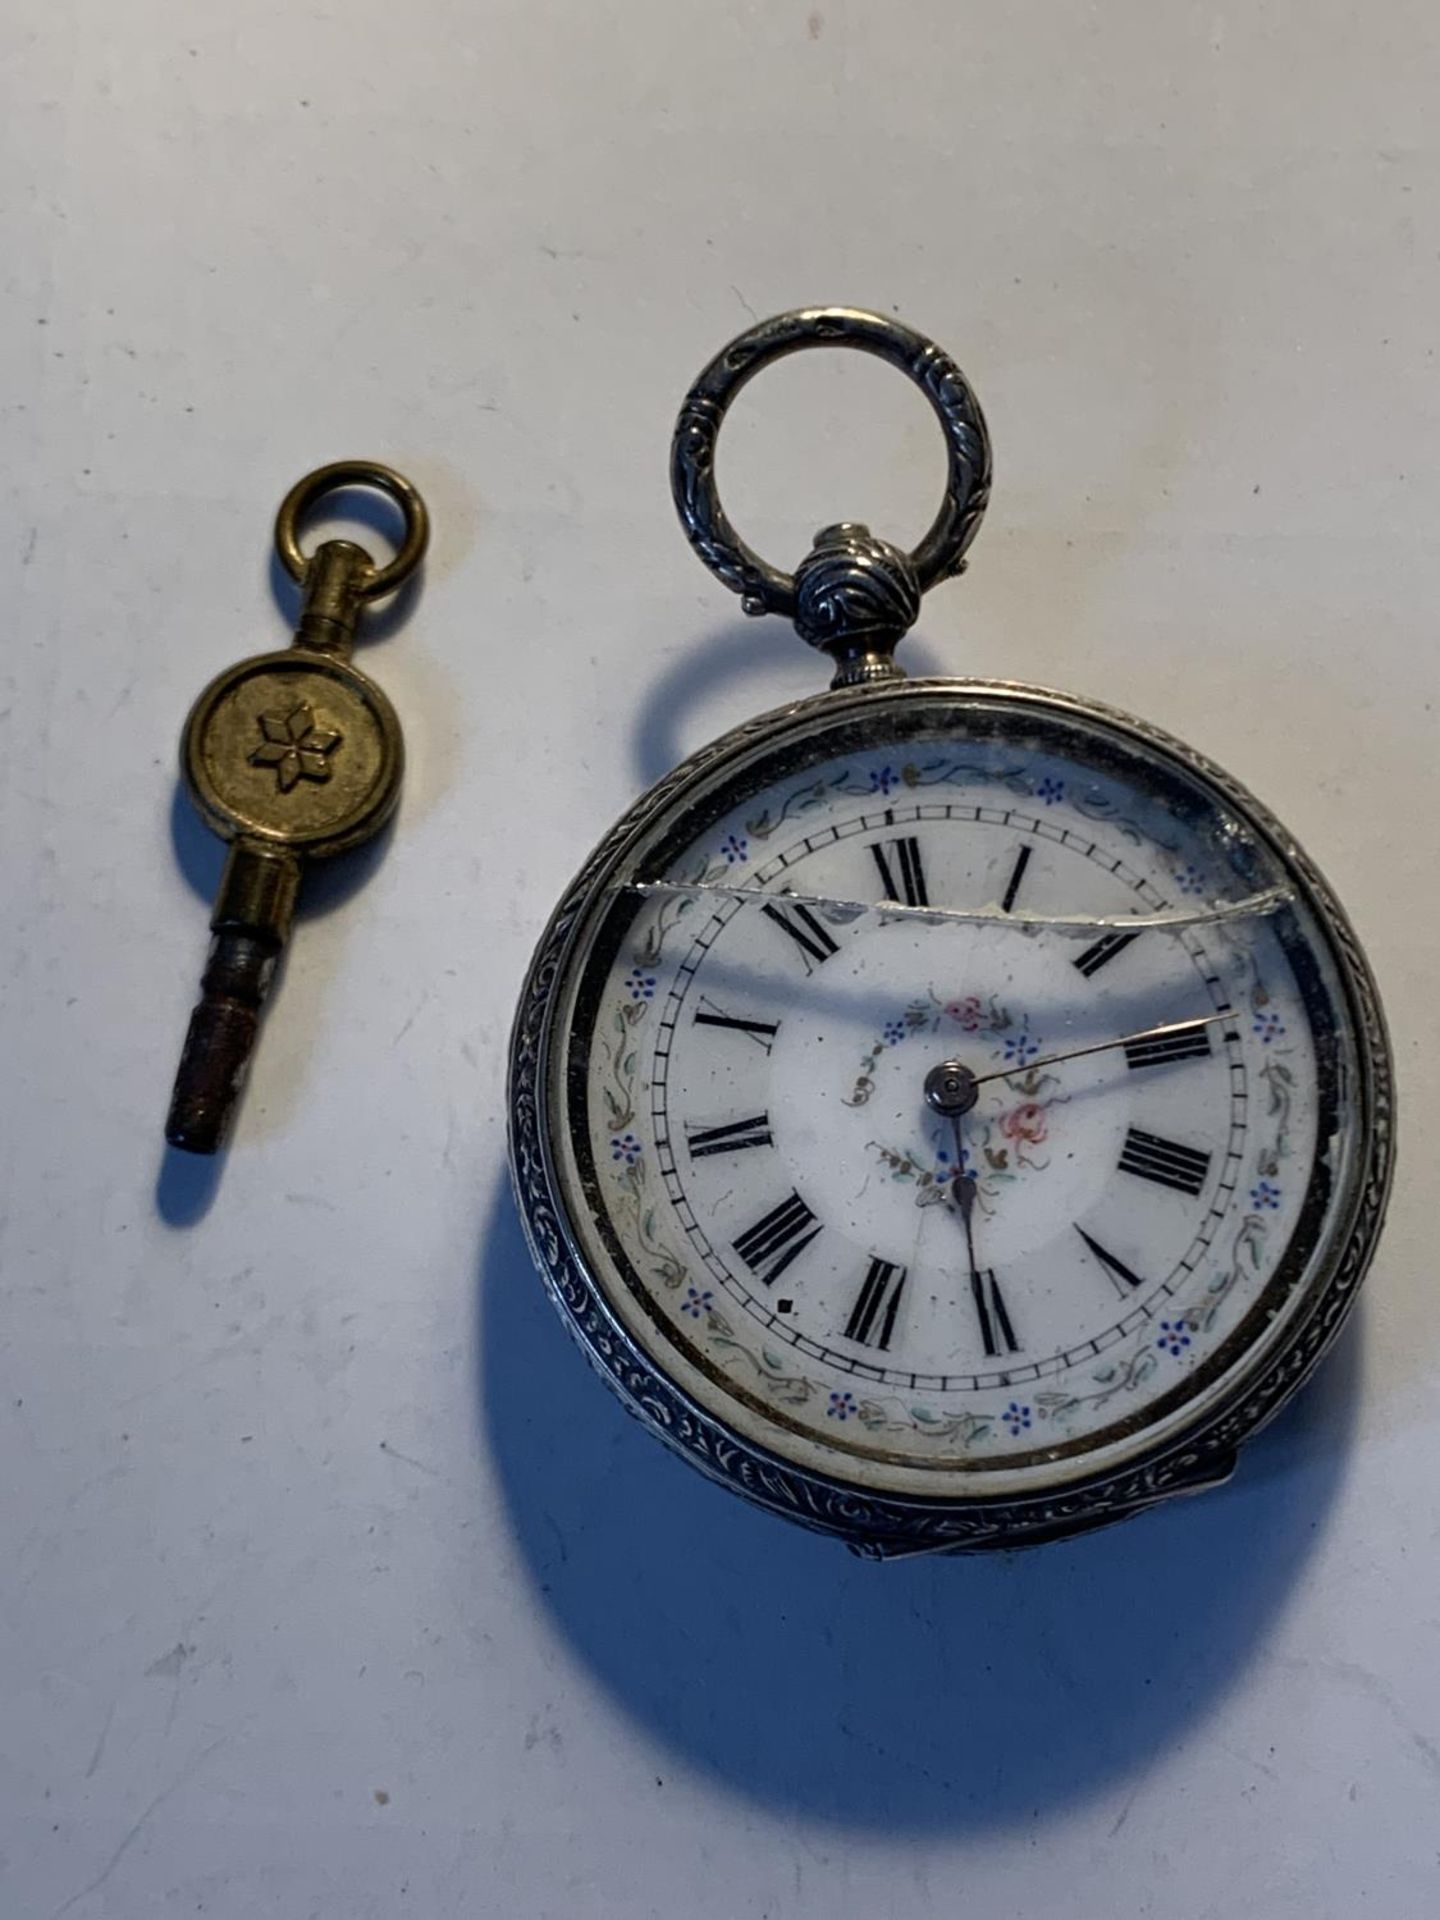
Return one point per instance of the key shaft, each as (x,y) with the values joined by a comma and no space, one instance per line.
(251,923)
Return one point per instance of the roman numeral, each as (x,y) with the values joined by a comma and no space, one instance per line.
(995,1329)
(872,1318)
(910,890)
(1188,1042)
(733,1135)
(1164,1161)
(1104,951)
(707,1014)
(805,930)
(1122,1276)
(1022,860)
(772,1243)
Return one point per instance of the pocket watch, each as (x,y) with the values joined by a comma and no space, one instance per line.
(951,1114)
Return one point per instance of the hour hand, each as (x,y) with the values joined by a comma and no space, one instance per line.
(964,1188)
(951,1090)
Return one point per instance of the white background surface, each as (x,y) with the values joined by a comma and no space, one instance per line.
(332,1583)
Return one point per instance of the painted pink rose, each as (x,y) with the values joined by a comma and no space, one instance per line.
(967,1012)
(1026,1122)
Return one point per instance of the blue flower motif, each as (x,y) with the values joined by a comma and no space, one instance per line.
(883,779)
(1269,1026)
(1021,1048)
(1174,1337)
(625,1147)
(641,985)
(1265,1193)
(945,1165)
(1016,1417)
(736,848)
(841,1406)
(695,1302)
(1050,790)
(895,1032)
(1189,879)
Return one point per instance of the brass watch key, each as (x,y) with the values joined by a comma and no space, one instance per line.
(289,756)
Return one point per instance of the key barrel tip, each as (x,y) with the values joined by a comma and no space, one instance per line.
(220,1038)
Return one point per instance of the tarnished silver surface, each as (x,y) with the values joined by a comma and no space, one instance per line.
(890,1526)
(854,595)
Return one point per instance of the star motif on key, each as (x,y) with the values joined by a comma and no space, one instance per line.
(295,746)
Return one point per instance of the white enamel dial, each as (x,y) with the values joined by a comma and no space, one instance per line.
(1096,1251)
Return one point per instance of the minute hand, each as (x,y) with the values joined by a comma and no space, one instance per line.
(1104,1046)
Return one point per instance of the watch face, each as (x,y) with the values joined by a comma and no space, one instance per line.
(968,1208)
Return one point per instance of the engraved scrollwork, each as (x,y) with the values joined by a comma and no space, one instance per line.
(843,590)
(851,583)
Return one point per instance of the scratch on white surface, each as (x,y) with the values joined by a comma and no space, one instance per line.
(419,1008)
(106,1474)
(99,1754)
(168,1666)
(1353,1674)
(409,1459)
(558,1531)
(312,1200)
(225,1351)
(1249,1760)
(1124,1814)
(134,1832)
(543,1729)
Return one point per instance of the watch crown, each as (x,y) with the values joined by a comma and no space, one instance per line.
(856,596)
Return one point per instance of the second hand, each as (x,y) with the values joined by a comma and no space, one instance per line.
(1165,1032)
